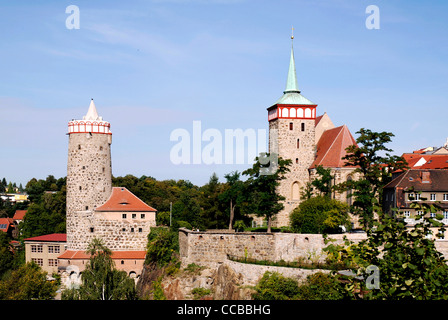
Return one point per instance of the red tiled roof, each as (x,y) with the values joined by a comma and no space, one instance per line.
(122,255)
(331,147)
(7,222)
(19,215)
(54,237)
(123,200)
(432,161)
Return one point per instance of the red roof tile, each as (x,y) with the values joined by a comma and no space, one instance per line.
(431,161)
(19,215)
(6,223)
(331,147)
(123,200)
(54,237)
(82,255)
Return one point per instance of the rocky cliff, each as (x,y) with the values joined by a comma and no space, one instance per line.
(221,283)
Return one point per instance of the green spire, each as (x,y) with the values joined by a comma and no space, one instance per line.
(291,82)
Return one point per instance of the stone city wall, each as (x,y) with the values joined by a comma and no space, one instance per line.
(213,248)
(209,249)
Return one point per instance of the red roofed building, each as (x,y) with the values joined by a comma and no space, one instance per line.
(331,147)
(7,226)
(44,250)
(19,215)
(73,263)
(122,200)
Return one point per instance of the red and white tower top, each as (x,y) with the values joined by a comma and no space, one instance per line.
(90,123)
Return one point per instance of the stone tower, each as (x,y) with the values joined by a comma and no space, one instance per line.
(292,136)
(89,175)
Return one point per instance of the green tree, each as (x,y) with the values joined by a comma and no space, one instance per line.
(234,196)
(212,213)
(323,181)
(307,191)
(264,178)
(319,215)
(374,163)
(322,286)
(6,253)
(275,286)
(162,244)
(100,279)
(409,265)
(28,282)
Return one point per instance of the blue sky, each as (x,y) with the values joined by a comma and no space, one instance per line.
(156,66)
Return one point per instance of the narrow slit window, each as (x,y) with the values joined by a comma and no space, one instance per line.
(303,126)
(291,126)
(298,143)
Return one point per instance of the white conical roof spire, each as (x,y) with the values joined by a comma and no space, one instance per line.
(92,114)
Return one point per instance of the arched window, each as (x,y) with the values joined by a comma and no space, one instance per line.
(295,191)
(292,112)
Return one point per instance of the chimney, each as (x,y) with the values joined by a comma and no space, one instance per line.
(426,177)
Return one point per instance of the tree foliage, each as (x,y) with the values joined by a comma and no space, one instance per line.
(264,178)
(275,286)
(162,244)
(100,279)
(319,215)
(372,160)
(409,264)
(323,182)
(28,282)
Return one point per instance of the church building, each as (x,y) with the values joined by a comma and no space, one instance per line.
(297,133)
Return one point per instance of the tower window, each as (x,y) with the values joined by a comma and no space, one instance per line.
(80,188)
(87,208)
(101,148)
(291,126)
(124,216)
(104,169)
(79,147)
(298,143)
(91,229)
(303,126)
(297,160)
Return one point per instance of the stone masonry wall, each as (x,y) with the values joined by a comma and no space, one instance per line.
(89,183)
(286,140)
(211,249)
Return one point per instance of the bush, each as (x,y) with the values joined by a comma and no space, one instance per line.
(199,293)
(162,243)
(319,215)
(274,286)
(321,286)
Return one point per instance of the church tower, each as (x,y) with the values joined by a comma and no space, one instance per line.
(89,175)
(292,136)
